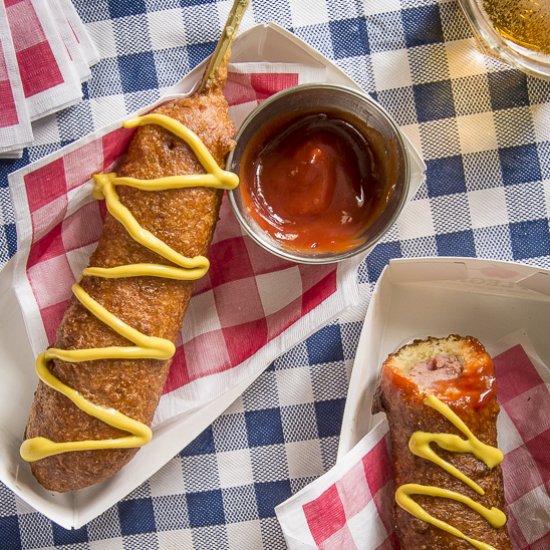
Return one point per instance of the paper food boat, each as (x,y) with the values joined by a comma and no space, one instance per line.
(415,298)
(262,43)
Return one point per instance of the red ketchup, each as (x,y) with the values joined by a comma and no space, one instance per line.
(313,182)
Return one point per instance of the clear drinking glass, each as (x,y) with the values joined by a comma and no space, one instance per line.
(516,31)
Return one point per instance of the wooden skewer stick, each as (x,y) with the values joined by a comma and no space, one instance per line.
(230,30)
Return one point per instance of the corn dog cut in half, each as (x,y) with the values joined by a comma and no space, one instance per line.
(101,382)
(439,395)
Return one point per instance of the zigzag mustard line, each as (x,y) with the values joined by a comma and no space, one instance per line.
(419,445)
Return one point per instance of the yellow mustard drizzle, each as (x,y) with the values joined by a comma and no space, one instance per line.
(146,347)
(494,516)
(419,445)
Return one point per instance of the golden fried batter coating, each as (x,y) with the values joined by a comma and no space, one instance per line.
(407,377)
(185,220)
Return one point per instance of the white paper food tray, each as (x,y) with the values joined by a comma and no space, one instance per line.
(415,298)
(261,43)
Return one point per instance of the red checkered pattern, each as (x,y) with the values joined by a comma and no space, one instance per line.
(8,111)
(247,299)
(524,426)
(524,397)
(45,54)
(255,87)
(38,66)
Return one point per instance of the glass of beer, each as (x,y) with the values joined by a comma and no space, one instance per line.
(516,31)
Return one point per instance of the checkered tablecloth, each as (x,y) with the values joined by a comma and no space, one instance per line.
(484,132)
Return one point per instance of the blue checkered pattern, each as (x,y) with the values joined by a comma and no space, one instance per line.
(485,137)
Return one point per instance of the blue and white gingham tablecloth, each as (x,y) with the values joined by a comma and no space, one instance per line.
(485,137)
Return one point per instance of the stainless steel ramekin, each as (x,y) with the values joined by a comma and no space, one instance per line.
(312,98)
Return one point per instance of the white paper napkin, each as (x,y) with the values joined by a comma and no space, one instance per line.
(15,125)
(46,52)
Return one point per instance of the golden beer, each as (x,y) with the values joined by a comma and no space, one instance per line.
(525,22)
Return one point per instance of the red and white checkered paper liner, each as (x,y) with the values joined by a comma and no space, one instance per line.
(69,40)
(15,126)
(45,53)
(48,75)
(350,507)
(249,308)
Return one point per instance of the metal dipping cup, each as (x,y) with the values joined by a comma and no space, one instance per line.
(365,115)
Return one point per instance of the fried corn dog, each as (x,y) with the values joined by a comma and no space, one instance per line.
(184,220)
(439,395)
